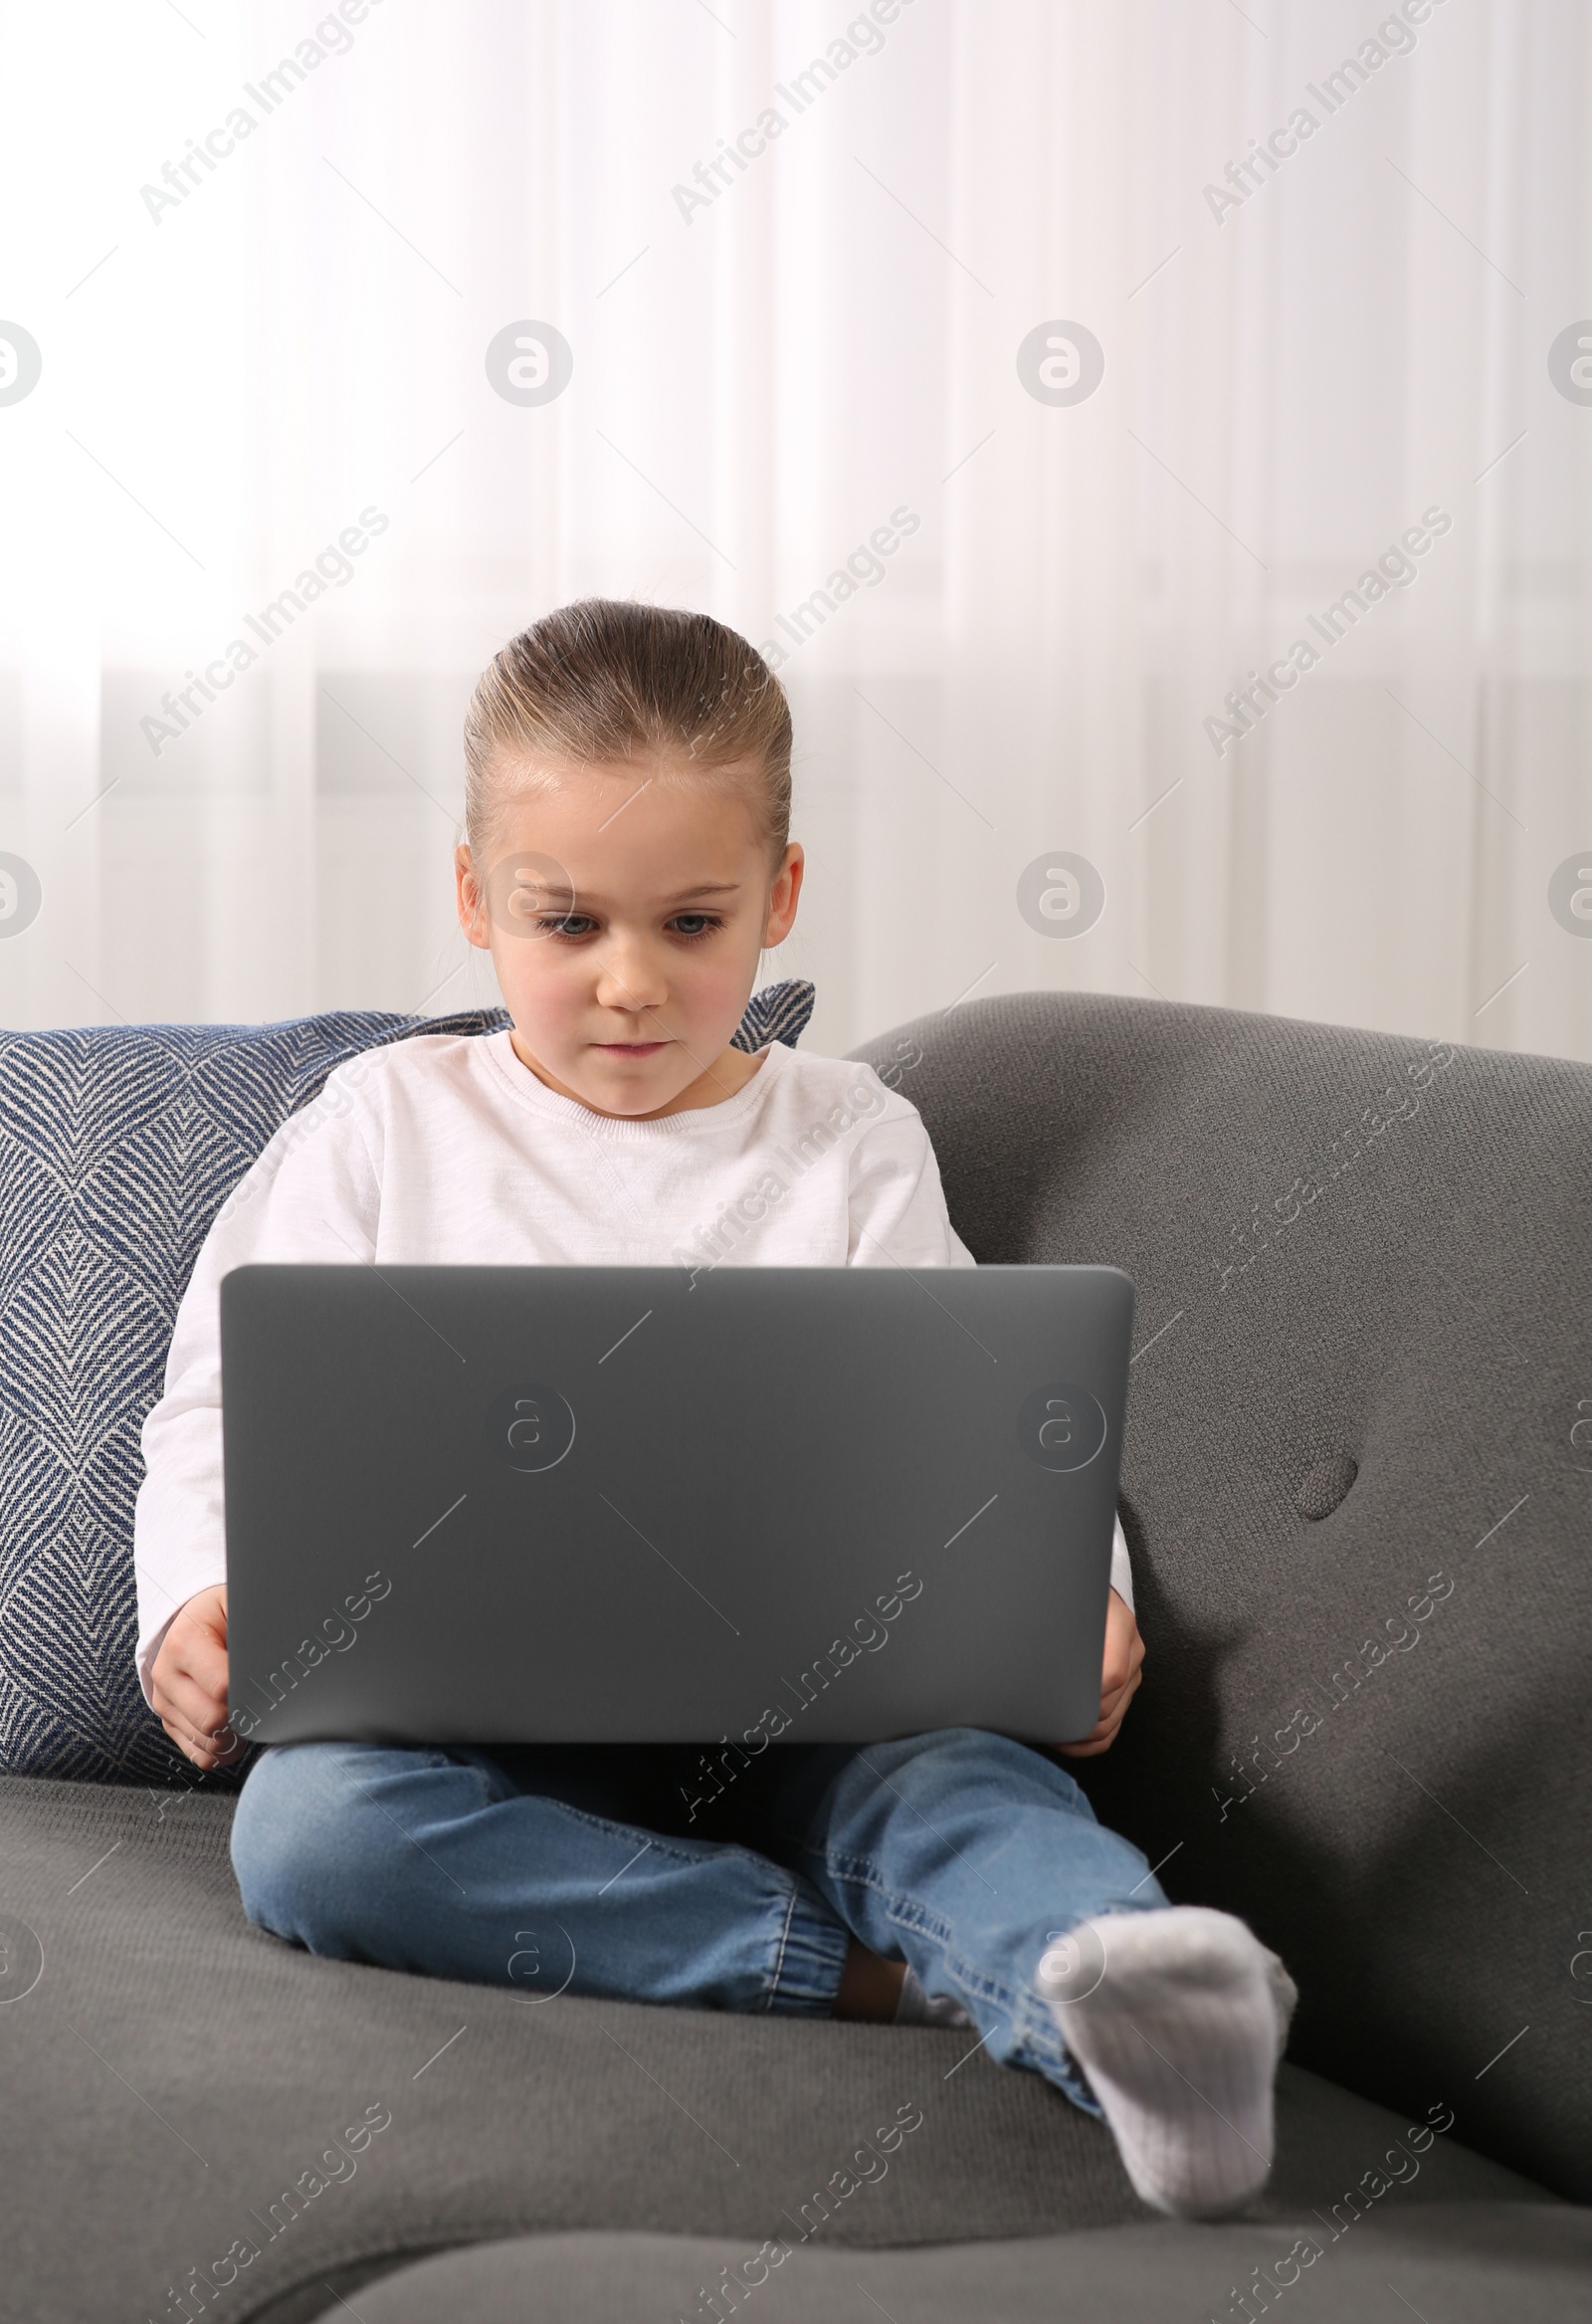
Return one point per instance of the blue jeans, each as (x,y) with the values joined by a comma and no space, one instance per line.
(619,1871)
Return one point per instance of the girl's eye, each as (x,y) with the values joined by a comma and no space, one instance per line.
(573,927)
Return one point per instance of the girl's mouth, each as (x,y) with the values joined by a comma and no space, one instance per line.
(630,1048)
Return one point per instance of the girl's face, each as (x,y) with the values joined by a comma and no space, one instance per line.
(625,915)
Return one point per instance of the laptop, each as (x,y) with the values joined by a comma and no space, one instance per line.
(556,1504)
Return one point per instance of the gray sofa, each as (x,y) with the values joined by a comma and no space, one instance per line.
(1357,1488)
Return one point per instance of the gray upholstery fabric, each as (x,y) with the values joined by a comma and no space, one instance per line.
(1404,1358)
(1468,2266)
(1419,1856)
(174,2072)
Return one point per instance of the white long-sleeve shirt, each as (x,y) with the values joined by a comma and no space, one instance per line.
(446,1148)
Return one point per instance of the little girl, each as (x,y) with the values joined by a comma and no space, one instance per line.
(626,863)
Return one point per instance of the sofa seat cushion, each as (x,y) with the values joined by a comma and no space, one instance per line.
(1467,2263)
(260,2119)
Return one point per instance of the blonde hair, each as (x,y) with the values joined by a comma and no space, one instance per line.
(604,678)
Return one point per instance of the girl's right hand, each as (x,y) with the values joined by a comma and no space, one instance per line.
(189,1681)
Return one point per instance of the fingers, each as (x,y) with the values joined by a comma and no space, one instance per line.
(1117,1671)
(192,1750)
(199,1709)
(1127,1694)
(206,1749)
(188,1684)
(201,1657)
(1124,1648)
(1102,1735)
(196,1640)
(1117,1699)
(1111,1695)
(196,1721)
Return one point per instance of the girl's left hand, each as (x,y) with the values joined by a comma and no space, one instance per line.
(1124,1661)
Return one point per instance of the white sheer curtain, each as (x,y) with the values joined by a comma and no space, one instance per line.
(821,349)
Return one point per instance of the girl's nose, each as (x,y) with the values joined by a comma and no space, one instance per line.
(629,977)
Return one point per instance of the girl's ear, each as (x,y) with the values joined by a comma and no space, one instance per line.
(783,897)
(470,901)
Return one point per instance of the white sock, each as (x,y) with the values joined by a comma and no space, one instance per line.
(916,2009)
(1178,2016)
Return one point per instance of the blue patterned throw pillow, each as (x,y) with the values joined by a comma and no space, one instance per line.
(118,1144)
(778,1013)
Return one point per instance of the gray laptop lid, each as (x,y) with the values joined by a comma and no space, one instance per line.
(623,1504)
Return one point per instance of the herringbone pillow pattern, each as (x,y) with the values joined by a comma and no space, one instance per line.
(117,1147)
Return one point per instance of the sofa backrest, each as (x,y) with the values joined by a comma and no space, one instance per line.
(1357,1488)
(117,1147)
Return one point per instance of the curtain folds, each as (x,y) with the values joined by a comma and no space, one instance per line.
(1152,439)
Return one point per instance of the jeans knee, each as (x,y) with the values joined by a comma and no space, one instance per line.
(971,1760)
(303,1837)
